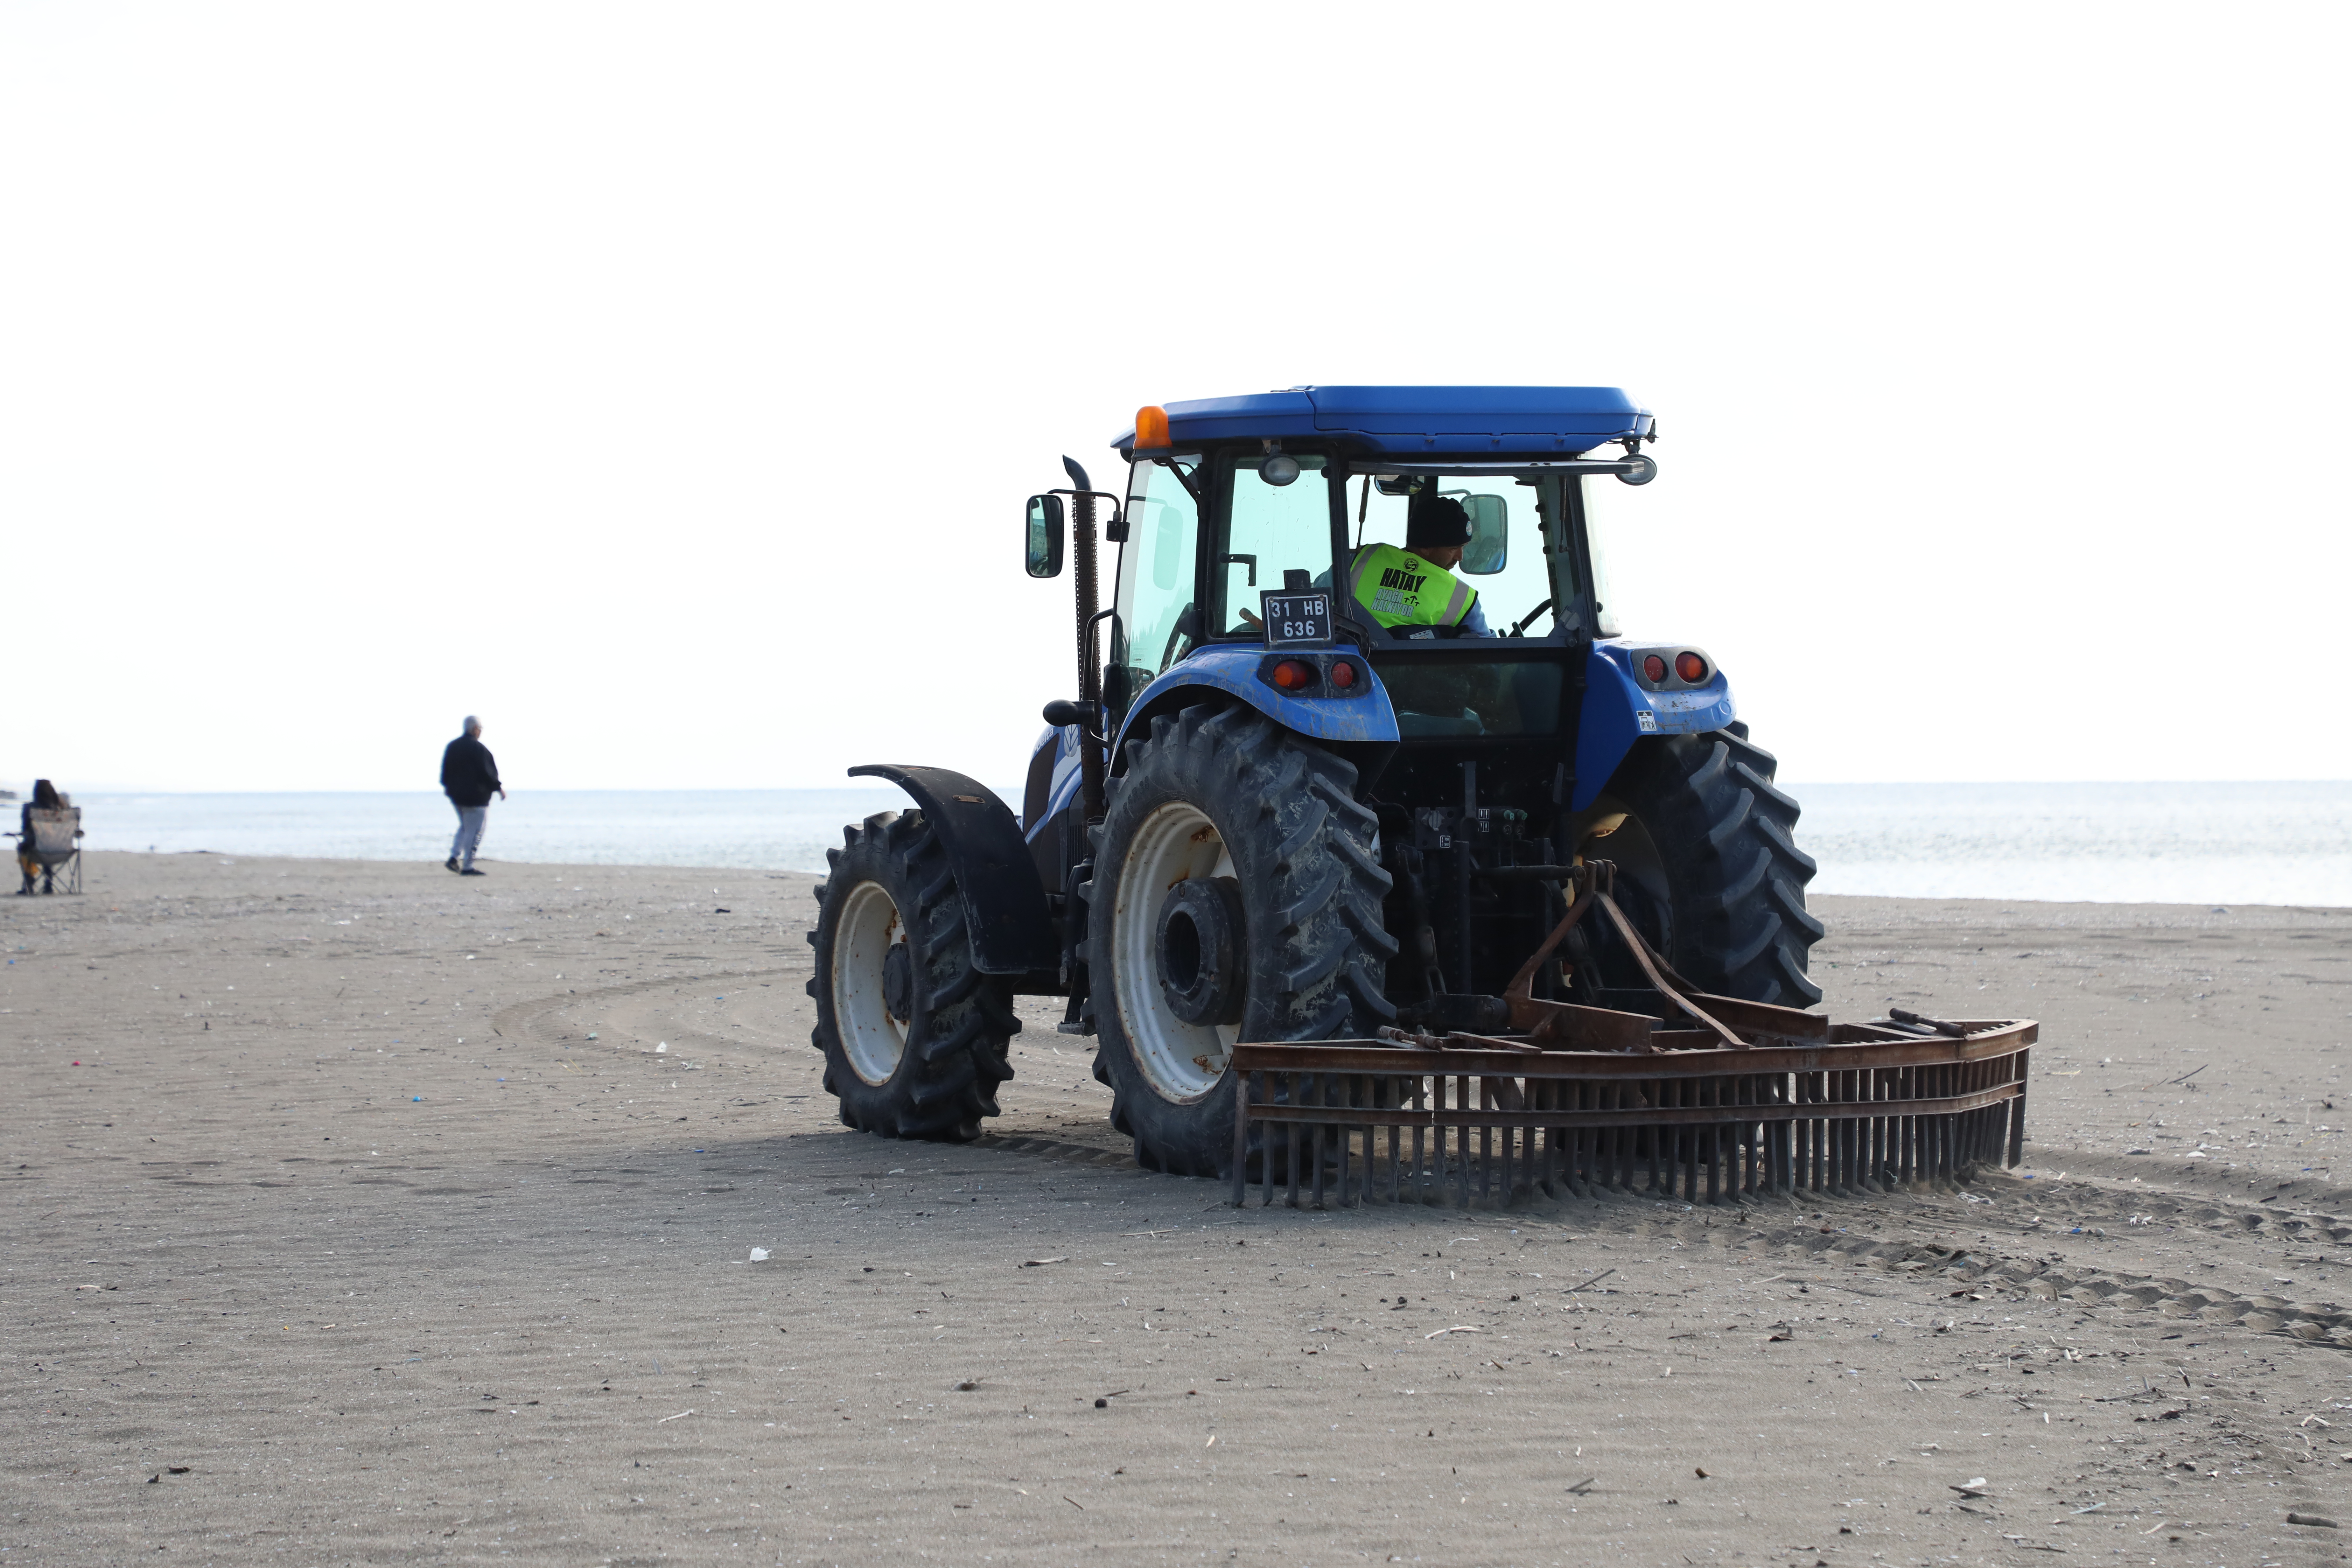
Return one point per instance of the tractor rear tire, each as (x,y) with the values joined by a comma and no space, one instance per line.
(1717,880)
(1270,825)
(914,1038)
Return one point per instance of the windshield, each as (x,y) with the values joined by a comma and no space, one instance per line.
(1519,561)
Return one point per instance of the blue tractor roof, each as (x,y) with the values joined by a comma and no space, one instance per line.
(1424,421)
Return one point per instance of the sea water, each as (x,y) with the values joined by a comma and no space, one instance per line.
(779,830)
(2109,843)
(2168,843)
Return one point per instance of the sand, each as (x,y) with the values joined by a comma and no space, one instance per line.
(356,1214)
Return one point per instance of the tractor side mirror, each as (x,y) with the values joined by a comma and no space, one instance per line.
(1489,548)
(1044,536)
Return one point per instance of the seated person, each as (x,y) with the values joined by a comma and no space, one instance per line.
(1413,589)
(45,799)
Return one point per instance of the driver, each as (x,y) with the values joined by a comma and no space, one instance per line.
(1415,589)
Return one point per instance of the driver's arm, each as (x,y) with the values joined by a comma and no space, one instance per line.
(1474,625)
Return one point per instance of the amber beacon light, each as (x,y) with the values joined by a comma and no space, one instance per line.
(1151,429)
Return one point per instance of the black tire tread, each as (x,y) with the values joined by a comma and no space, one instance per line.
(1741,925)
(1314,908)
(959,1041)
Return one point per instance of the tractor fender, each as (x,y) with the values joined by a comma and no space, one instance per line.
(1065,780)
(1618,712)
(1004,900)
(1232,668)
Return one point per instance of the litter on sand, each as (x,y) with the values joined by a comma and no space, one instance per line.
(1456,1329)
(759,1255)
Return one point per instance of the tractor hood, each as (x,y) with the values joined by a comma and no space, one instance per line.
(1414,421)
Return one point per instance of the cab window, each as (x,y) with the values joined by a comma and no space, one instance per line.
(1156,625)
(1269,529)
(1520,559)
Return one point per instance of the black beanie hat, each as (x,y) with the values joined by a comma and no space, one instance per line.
(1437,520)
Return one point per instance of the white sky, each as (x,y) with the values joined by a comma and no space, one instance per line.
(663,382)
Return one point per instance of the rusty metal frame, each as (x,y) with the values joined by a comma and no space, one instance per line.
(1856,1108)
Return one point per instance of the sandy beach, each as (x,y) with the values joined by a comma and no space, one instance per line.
(354,1214)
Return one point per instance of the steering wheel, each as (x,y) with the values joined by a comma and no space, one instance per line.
(1523,626)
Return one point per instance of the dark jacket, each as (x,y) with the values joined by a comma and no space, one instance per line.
(469,774)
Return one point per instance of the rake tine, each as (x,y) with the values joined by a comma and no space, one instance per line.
(2017,1109)
(1814,1134)
(1511,1162)
(1417,1143)
(1849,1157)
(1320,1147)
(1464,1101)
(1621,1142)
(1372,1143)
(1716,1141)
(1243,1105)
(1874,1134)
(1486,1143)
(1292,1144)
(1743,1092)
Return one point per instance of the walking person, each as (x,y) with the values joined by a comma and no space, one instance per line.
(469,777)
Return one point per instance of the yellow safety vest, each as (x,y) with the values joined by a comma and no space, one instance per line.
(1400,589)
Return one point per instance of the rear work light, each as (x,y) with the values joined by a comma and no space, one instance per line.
(1655,667)
(1343,674)
(1690,666)
(1292,675)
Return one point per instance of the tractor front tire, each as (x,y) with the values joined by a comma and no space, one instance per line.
(914,1038)
(1277,936)
(1706,841)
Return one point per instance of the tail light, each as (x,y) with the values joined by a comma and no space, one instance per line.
(1343,674)
(1690,666)
(1655,667)
(1294,676)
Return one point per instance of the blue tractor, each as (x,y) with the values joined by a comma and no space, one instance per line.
(1315,785)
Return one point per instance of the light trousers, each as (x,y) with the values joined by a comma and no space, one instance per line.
(471,820)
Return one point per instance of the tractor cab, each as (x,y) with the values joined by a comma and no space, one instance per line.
(1325,482)
(1525,565)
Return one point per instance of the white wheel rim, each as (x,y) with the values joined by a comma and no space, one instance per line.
(863,935)
(1176,843)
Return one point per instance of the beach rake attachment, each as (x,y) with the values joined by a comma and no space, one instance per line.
(1710,1099)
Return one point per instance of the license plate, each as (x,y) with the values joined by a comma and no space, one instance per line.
(1296,620)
